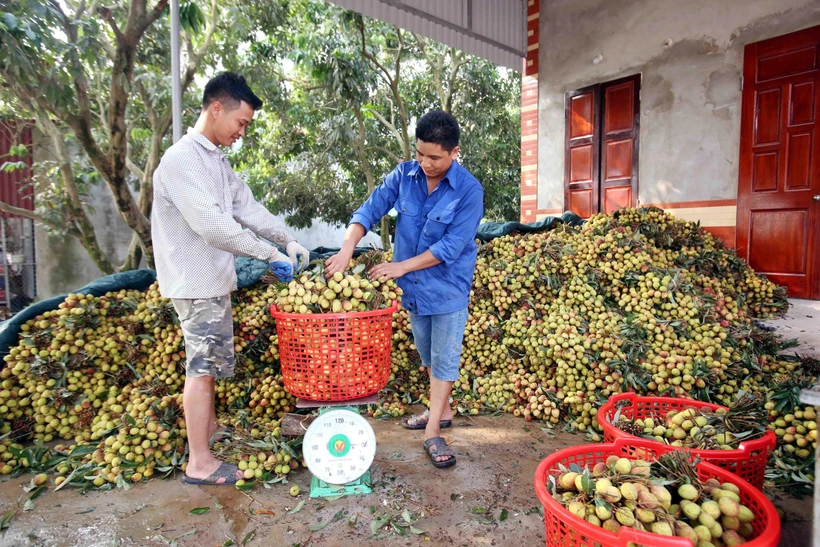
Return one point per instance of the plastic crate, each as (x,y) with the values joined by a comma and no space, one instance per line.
(567,530)
(748,461)
(335,356)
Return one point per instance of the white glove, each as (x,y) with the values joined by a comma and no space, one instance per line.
(299,256)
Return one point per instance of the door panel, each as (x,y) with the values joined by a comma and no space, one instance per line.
(776,65)
(580,164)
(618,160)
(619,165)
(619,108)
(581,161)
(802,103)
(582,118)
(580,203)
(778,222)
(616,198)
(765,172)
(798,162)
(767,124)
(771,232)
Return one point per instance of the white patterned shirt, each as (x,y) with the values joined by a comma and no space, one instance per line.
(203,215)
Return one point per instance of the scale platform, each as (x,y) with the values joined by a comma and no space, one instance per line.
(339,447)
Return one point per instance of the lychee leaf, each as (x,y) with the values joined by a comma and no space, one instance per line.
(600,502)
(575,468)
(586,482)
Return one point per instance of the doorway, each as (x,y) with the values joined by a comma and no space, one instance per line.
(601,147)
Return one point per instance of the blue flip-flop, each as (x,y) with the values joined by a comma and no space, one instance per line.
(419,425)
(225,471)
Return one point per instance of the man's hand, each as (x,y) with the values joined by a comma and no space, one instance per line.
(299,256)
(337,263)
(387,270)
(281,266)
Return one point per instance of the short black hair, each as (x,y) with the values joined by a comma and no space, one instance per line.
(229,89)
(440,128)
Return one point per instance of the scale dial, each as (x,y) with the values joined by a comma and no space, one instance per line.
(339,446)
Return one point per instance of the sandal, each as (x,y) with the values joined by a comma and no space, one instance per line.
(437,446)
(225,470)
(421,421)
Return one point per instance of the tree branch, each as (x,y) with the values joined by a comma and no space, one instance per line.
(371,57)
(387,152)
(389,126)
(25,213)
(135,169)
(148,19)
(458,62)
(108,17)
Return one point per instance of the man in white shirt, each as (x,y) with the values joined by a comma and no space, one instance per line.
(203,215)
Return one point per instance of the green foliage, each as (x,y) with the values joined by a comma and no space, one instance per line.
(340,103)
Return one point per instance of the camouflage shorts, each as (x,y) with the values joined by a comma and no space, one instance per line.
(207,326)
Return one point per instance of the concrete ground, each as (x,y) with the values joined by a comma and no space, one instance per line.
(461,506)
(802,322)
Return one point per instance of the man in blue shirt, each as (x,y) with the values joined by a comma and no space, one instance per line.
(439,205)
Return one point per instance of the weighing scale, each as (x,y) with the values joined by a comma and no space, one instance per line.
(339,447)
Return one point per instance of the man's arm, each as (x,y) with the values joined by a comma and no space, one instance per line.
(394,270)
(251,214)
(376,206)
(193,194)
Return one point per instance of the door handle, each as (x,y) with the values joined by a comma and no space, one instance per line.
(817,198)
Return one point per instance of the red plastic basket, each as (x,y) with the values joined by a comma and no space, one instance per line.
(335,356)
(567,530)
(748,461)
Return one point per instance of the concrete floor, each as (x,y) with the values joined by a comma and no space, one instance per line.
(497,457)
(803,323)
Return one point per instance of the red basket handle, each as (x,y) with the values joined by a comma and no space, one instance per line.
(627,536)
(625,446)
(394,307)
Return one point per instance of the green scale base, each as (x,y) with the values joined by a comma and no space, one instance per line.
(362,485)
(321,489)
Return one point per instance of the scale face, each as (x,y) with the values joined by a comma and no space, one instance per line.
(339,446)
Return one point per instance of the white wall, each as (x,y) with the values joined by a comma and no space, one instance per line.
(690,55)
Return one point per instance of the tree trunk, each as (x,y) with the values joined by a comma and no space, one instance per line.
(361,147)
(385,233)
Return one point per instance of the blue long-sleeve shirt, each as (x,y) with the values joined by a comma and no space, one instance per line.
(444,221)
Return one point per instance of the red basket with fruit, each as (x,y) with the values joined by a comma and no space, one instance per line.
(748,460)
(591,499)
(335,356)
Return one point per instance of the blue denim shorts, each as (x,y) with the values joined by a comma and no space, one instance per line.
(438,340)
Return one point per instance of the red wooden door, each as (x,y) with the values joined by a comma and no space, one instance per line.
(619,143)
(601,147)
(778,213)
(582,151)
